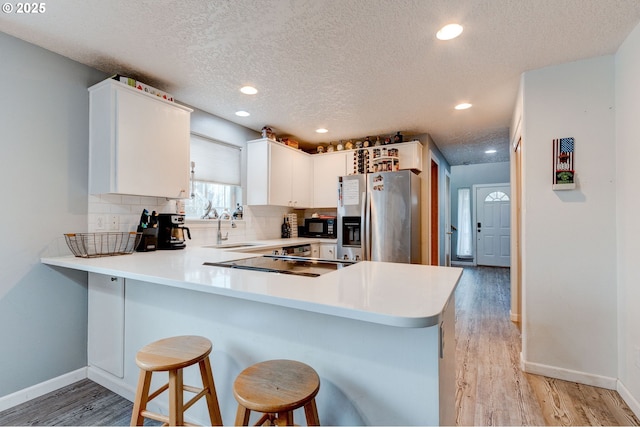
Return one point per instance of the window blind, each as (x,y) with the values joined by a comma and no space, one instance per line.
(215,161)
(465,237)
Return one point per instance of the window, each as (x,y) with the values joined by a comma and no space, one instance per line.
(216,177)
(496,196)
(465,238)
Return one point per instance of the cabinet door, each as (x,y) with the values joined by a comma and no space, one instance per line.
(326,170)
(301,170)
(328,251)
(105,341)
(258,173)
(410,155)
(152,146)
(315,250)
(280,163)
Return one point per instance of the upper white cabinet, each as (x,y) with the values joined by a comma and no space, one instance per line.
(326,170)
(138,143)
(278,175)
(409,156)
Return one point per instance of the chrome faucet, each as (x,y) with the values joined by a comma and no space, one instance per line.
(220,238)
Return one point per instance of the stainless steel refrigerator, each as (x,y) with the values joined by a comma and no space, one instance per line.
(379,217)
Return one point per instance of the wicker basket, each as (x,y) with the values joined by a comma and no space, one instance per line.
(91,245)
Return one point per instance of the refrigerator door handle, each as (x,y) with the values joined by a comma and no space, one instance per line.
(365,232)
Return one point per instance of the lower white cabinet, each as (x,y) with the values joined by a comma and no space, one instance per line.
(105,342)
(328,251)
(315,250)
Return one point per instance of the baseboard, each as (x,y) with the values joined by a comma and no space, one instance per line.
(24,395)
(514,317)
(626,395)
(569,375)
(108,381)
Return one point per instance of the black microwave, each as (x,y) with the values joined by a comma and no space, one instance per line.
(321,227)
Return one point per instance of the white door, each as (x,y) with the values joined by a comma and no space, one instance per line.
(493,225)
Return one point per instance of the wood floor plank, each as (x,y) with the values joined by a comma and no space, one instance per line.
(491,388)
(83,403)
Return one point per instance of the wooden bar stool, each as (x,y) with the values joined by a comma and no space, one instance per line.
(276,388)
(172,355)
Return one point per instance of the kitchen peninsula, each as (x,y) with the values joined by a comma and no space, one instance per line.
(380,335)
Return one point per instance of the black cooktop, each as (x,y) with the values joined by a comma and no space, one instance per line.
(299,266)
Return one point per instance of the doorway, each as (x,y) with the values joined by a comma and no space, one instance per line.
(492,219)
(516,245)
(447,220)
(435,214)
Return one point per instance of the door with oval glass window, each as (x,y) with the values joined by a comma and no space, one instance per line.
(493,224)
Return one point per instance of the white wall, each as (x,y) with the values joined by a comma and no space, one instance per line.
(44,117)
(627,93)
(569,286)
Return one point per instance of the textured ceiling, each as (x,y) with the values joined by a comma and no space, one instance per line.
(355,67)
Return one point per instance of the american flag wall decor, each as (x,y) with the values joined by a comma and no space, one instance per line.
(563,164)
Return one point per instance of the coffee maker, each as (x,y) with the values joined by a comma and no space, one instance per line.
(171,232)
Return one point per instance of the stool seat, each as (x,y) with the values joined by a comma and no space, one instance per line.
(277,387)
(173,355)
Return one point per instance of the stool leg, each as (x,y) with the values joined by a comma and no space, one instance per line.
(311,412)
(242,416)
(212,397)
(142,397)
(285,418)
(176,410)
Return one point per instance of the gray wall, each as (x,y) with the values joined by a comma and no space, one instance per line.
(465,177)
(43,167)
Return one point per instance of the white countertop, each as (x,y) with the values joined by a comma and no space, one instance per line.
(403,295)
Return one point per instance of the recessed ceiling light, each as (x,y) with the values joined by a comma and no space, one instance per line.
(249,90)
(491,151)
(322,130)
(449,32)
(462,106)
(242,113)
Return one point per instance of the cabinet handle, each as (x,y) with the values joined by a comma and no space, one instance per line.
(114,279)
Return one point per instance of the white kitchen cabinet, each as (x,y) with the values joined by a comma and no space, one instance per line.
(105,341)
(138,143)
(315,250)
(278,175)
(328,251)
(409,156)
(326,170)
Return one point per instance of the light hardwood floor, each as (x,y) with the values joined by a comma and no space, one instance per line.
(491,389)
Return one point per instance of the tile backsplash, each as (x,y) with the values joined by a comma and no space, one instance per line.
(113,212)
